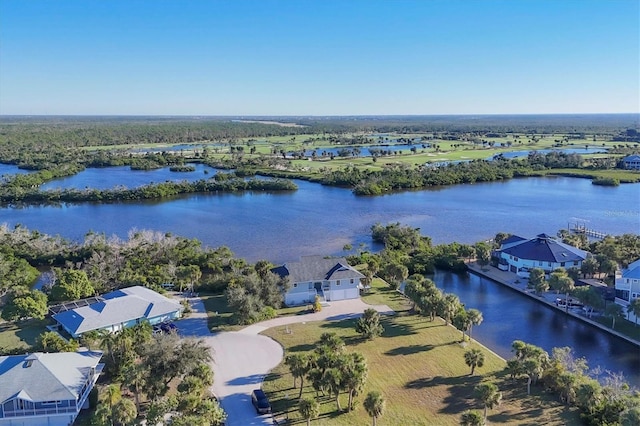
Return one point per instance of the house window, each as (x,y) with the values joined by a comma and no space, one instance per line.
(562,264)
(338,282)
(352,281)
(310,286)
(516,259)
(539,263)
(575,263)
(549,264)
(295,285)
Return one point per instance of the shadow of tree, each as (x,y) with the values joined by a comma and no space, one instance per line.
(409,350)
(460,391)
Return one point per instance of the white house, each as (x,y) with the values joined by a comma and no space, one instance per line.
(519,255)
(330,278)
(119,309)
(46,388)
(628,287)
(632,162)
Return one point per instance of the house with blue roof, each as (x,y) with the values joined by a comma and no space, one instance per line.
(519,255)
(46,388)
(329,278)
(119,309)
(628,288)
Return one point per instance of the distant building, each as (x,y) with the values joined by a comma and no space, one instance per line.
(631,162)
(46,389)
(628,287)
(331,279)
(119,309)
(519,255)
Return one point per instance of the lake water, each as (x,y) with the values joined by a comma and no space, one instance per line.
(106,178)
(318,219)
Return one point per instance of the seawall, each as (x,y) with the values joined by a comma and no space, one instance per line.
(512,281)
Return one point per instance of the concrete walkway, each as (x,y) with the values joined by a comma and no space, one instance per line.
(242,359)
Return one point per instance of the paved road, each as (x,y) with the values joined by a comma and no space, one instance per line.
(243,358)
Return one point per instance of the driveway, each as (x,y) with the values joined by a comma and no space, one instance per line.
(243,358)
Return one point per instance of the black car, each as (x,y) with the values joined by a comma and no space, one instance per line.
(260,401)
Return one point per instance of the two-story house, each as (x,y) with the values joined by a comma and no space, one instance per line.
(520,255)
(46,388)
(330,278)
(628,287)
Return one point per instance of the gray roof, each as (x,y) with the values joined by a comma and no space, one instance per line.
(118,307)
(545,248)
(317,268)
(46,377)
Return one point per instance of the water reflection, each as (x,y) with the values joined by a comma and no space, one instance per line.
(510,316)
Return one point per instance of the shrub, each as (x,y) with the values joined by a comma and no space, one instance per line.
(317,306)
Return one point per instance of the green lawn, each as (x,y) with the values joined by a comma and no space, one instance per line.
(418,366)
(20,336)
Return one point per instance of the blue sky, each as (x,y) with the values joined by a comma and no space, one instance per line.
(307,57)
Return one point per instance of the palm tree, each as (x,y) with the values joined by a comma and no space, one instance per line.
(369,324)
(134,376)
(297,363)
(374,405)
(125,412)
(533,369)
(489,395)
(614,311)
(309,409)
(474,358)
(475,316)
(354,375)
(634,308)
(471,418)
(108,341)
(332,379)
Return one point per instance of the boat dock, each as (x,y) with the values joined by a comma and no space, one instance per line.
(576,228)
(516,283)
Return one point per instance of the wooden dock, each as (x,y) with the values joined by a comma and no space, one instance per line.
(576,228)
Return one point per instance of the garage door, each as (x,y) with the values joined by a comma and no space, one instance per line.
(352,293)
(337,294)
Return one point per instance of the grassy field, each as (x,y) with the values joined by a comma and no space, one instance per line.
(418,365)
(624,176)
(22,335)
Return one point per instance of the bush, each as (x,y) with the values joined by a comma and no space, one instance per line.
(317,306)
(604,181)
(268,313)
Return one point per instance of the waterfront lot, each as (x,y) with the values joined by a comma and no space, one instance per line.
(418,366)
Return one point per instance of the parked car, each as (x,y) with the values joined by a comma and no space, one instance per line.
(260,402)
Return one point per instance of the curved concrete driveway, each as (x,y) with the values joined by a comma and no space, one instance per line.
(243,358)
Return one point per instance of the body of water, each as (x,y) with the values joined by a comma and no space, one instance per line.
(123,176)
(510,316)
(319,219)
